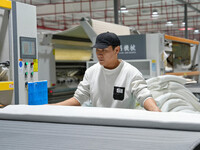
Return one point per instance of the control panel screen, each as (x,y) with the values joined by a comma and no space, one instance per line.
(28,48)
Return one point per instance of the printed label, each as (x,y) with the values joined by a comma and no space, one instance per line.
(118,93)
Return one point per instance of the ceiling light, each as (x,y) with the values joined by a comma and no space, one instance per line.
(169,23)
(123,9)
(196,31)
(155,14)
(183,24)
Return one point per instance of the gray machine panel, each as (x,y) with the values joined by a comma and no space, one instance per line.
(24,34)
(132,47)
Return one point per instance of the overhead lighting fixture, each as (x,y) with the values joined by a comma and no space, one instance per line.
(123,9)
(183,24)
(155,14)
(196,31)
(169,23)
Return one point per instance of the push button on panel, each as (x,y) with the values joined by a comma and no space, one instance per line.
(26,64)
(26,74)
(20,64)
(26,84)
(31,65)
(31,74)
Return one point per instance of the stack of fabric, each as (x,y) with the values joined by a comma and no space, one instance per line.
(171,95)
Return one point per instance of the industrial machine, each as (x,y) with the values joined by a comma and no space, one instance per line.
(46,61)
(6,87)
(18,30)
(181,56)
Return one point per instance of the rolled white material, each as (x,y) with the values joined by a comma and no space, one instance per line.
(102,116)
(101,26)
(171,95)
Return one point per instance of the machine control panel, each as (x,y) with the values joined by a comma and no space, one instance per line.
(27,68)
(27,56)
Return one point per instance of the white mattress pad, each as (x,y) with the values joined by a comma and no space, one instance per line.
(102,116)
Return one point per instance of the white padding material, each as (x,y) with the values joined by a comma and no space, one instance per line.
(171,95)
(102,116)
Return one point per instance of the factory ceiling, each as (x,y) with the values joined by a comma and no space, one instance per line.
(146,16)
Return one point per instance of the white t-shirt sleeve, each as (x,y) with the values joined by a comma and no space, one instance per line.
(82,94)
(139,89)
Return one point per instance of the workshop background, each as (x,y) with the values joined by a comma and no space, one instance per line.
(146,16)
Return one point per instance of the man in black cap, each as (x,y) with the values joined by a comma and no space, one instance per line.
(112,82)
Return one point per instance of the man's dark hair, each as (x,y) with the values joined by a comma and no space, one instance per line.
(114,46)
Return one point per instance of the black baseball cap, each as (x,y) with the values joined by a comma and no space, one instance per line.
(106,39)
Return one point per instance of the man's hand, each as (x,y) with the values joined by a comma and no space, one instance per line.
(69,102)
(151,105)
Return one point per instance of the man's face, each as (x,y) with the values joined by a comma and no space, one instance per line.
(107,56)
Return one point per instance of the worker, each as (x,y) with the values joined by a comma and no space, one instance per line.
(111,82)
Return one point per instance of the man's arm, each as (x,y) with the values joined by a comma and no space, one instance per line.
(82,93)
(151,105)
(69,102)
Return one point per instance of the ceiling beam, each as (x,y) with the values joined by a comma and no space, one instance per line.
(189,5)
